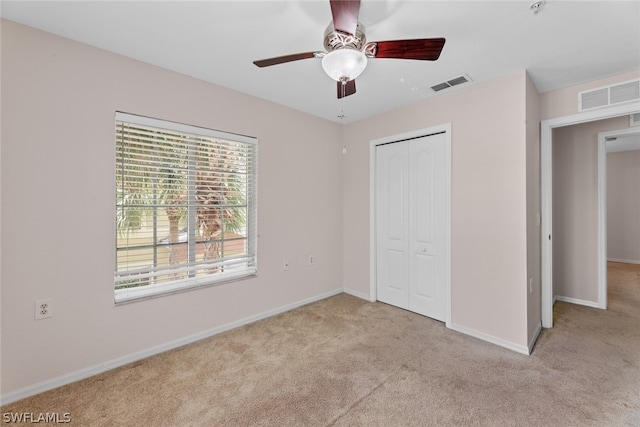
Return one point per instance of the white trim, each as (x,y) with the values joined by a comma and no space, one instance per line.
(602,222)
(443,128)
(546,228)
(602,188)
(533,340)
(143,354)
(626,261)
(127,295)
(602,211)
(593,304)
(448,225)
(358,294)
(546,128)
(491,339)
(373,293)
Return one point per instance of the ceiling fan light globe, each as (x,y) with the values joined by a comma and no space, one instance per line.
(344,64)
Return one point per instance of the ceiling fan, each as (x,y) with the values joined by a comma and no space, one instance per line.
(347,49)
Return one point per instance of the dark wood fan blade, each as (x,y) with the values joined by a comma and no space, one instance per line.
(282,59)
(345,15)
(346,89)
(422,49)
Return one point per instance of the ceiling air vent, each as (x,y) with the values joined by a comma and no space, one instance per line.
(625,92)
(609,95)
(594,99)
(451,83)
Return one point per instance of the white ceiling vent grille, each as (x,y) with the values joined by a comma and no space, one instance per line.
(451,83)
(625,92)
(610,95)
(634,119)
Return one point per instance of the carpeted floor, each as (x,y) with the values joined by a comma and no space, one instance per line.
(347,362)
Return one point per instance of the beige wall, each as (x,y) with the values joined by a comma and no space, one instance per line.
(575,208)
(564,102)
(623,206)
(489,212)
(58,103)
(533,284)
(58,233)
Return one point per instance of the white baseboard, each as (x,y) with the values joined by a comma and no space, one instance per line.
(143,354)
(626,261)
(359,294)
(577,301)
(471,332)
(536,334)
(491,339)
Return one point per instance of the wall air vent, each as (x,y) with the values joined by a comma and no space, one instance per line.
(451,83)
(609,95)
(634,119)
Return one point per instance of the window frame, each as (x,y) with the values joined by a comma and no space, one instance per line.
(219,277)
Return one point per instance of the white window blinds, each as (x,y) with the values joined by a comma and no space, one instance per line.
(185,207)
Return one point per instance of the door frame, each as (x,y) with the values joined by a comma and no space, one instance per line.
(443,128)
(546,182)
(602,200)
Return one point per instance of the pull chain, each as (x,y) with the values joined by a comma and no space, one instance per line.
(341,116)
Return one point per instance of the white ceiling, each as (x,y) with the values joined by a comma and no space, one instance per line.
(568,42)
(624,142)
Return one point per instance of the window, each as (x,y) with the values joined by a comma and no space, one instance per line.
(185,207)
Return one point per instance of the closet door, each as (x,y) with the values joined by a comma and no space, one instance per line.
(427,226)
(411,225)
(392,202)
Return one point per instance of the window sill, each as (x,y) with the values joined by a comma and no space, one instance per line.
(128,295)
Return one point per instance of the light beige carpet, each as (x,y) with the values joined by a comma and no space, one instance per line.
(347,362)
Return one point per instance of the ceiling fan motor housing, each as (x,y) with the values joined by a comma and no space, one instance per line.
(334,39)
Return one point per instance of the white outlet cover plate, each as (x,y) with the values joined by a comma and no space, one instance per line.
(43,308)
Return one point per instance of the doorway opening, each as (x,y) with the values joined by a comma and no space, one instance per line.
(622,140)
(546,139)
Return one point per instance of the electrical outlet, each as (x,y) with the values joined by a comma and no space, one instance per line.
(311,260)
(44,308)
(286,265)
